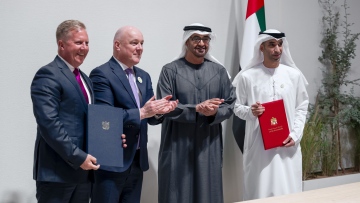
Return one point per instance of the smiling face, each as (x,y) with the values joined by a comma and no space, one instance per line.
(272,50)
(74,47)
(128,46)
(197,47)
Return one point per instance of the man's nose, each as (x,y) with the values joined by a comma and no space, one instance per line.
(84,45)
(139,46)
(201,42)
(277,48)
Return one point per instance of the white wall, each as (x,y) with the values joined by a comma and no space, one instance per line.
(27,42)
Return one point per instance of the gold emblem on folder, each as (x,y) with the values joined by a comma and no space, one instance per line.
(273,121)
(105,125)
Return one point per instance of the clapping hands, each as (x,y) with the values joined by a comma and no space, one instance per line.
(160,106)
(209,107)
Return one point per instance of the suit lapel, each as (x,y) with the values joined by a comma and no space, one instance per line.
(120,73)
(70,76)
(88,85)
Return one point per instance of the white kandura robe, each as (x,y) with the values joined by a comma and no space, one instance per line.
(276,171)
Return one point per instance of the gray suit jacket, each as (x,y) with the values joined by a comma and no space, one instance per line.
(60,110)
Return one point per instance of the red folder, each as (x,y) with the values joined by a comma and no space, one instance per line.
(273,124)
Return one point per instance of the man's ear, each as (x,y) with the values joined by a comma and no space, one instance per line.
(60,44)
(117,45)
(187,43)
(262,47)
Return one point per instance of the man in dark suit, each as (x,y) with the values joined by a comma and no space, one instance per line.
(120,83)
(60,93)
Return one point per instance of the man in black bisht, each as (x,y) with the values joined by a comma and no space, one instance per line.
(190,156)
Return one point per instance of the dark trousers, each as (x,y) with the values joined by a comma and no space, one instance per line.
(52,192)
(114,187)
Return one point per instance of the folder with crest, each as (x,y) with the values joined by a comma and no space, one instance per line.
(273,124)
(104,130)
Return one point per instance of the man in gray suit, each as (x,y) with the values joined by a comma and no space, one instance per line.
(60,93)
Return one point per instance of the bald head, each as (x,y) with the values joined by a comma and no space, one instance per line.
(126,30)
(128,45)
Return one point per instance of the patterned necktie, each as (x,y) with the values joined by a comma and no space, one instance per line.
(134,88)
(78,79)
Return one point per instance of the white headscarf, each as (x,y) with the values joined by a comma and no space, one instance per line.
(187,35)
(258,56)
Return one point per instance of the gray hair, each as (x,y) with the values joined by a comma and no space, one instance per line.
(65,27)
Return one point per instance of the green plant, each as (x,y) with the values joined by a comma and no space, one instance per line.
(311,143)
(328,155)
(355,129)
(318,156)
(336,98)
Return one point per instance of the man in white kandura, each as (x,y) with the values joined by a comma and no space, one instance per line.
(271,75)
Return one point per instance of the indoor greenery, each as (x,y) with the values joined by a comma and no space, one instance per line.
(336,108)
(311,143)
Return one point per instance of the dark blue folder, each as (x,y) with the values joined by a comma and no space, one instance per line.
(105,126)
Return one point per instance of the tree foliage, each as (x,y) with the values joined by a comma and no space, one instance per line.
(339,107)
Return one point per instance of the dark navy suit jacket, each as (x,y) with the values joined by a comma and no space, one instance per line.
(60,111)
(111,87)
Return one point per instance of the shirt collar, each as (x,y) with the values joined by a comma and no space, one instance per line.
(123,66)
(68,64)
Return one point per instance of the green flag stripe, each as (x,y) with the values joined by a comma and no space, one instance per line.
(260,14)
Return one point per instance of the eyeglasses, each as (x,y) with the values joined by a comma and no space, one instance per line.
(197,39)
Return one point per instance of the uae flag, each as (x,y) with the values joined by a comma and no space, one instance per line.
(254,22)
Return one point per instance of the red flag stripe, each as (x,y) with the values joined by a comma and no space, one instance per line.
(253,6)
